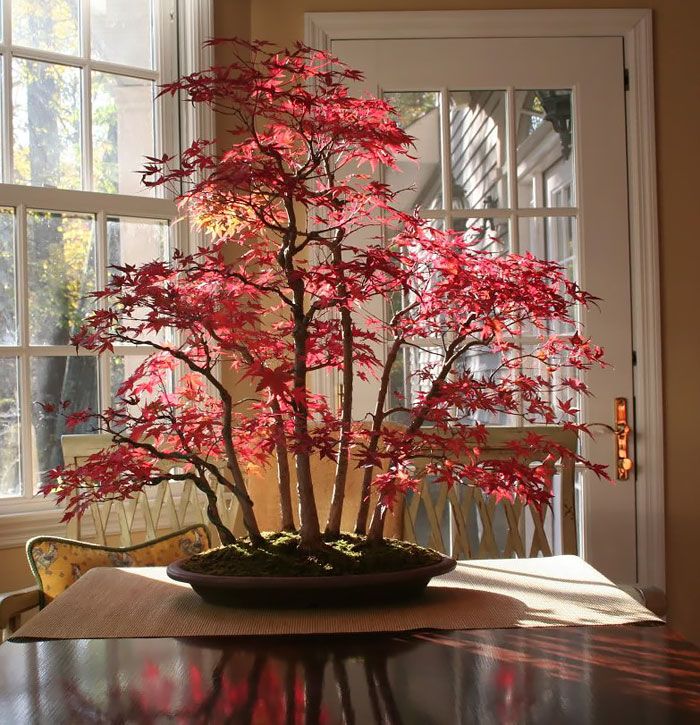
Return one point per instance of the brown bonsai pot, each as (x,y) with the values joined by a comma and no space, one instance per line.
(311,591)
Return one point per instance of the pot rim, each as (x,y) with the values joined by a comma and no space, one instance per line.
(335,581)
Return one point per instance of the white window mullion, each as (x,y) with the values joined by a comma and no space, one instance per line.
(102,259)
(85,29)
(445,149)
(6,24)
(86,127)
(86,96)
(87,202)
(75,61)
(512,141)
(7,168)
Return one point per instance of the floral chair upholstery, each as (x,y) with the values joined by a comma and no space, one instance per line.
(57,562)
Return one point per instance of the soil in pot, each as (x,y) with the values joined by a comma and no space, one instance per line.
(347,571)
(280,556)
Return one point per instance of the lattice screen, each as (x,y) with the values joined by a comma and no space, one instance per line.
(167,507)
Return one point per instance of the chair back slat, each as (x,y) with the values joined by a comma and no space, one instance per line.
(155,511)
(466,523)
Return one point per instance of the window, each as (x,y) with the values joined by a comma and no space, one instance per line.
(79,80)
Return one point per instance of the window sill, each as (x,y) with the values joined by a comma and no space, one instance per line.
(18,526)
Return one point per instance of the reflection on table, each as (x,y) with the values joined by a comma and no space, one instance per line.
(567,674)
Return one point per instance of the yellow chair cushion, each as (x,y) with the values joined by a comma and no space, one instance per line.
(57,562)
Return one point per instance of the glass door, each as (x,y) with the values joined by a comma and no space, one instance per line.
(521,146)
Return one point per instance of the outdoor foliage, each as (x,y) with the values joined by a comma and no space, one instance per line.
(304,237)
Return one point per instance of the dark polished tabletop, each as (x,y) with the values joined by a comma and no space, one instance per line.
(600,674)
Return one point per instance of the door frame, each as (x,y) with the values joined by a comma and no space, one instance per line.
(635,28)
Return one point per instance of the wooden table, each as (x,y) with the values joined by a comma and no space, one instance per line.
(604,674)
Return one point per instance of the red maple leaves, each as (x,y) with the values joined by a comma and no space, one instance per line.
(319,248)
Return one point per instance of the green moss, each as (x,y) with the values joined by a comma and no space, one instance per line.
(280,556)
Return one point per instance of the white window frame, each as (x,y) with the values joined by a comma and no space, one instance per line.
(634,26)
(179,51)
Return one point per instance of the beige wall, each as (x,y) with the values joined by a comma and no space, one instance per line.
(677,60)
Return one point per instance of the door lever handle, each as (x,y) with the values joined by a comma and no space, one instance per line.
(622,434)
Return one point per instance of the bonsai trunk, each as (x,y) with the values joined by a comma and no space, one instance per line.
(309,528)
(377,420)
(239,486)
(283,476)
(376,525)
(200,481)
(341,472)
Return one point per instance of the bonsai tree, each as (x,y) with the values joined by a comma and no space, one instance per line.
(304,239)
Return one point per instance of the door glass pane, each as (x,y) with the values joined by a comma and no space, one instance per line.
(545,142)
(55,380)
(46,124)
(489,234)
(122,132)
(10,480)
(478,149)
(61,271)
(419,115)
(554,239)
(8,296)
(422,365)
(122,31)
(53,26)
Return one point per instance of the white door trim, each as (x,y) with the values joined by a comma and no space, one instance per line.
(635,28)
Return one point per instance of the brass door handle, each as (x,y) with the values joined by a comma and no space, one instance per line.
(622,434)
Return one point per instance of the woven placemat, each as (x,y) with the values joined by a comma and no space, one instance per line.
(486,594)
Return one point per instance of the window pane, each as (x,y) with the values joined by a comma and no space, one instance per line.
(545,136)
(419,115)
(54,380)
(8,267)
(137,240)
(122,31)
(61,270)
(421,365)
(46,124)
(10,480)
(122,132)
(478,152)
(122,367)
(53,25)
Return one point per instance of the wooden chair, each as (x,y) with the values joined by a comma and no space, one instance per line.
(465,523)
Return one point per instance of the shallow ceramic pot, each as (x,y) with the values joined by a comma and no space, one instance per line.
(310,591)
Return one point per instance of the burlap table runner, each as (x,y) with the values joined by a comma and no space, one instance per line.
(486,594)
